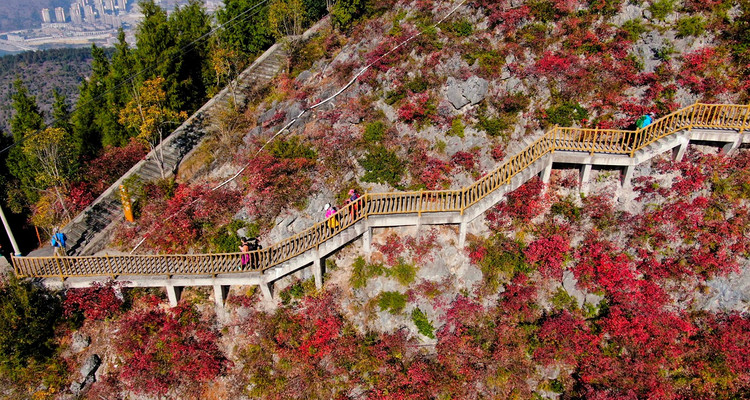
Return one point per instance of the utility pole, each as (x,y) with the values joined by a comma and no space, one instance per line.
(10,234)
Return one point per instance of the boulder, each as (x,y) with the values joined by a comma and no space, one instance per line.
(475,89)
(454,94)
(80,342)
(472,91)
(303,76)
(90,366)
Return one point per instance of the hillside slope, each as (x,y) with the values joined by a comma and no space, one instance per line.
(635,292)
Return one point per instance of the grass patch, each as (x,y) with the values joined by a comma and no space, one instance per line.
(423,324)
(393,302)
(403,272)
(362,272)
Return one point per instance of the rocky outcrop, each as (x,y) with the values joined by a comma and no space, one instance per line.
(471,91)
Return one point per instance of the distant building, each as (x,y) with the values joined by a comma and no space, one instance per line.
(60,14)
(75,14)
(45,16)
(88,14)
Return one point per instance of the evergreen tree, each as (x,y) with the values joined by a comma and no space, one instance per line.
(156,50)
(61,112)
(249,34)
(189,25)
(92,116)
(27,122)
(121,83)
(28,119)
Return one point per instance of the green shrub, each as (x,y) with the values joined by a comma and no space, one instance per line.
(362,272)
(28,314)
(561,300)
(226,239)
(457,128)
(423,324)
(292,148)
(382,166)
(393,302)
(566,208)
(493,126)
(440,146)
(374,132)
(345,12)
(394,97)
(462,28)
(565,114)
(490,61)
(403,272)
(303,55)
(295,291)
(417,85)
(691,26)
(661,9)
(503,260)
(634,28)
(665,52)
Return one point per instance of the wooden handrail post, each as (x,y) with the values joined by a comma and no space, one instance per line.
(744,120)
(419,210)
(59,268)
(692,116)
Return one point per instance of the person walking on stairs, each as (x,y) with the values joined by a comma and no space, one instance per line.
(59,244)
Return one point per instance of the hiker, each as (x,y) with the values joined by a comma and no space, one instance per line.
(353,196)
(245,249)
(59,244)
(254,246)
(331,215)
(644,121)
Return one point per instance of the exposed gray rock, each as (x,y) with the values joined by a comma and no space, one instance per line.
(454,94)
(303,76)
(267,115)
(76,388)
(471,91)
(474,89)
(629,12)
(90,366)
(469,274)
(434,271)
(80,342)
(293,111)
(88,371)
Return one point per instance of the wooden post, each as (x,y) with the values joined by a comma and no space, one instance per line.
(127,206)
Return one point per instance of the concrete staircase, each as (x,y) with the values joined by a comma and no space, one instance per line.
(96,221)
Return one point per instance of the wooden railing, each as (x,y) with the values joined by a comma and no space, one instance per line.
(609,141)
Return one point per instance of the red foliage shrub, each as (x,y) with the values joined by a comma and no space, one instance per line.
(176,224)
(102,171)
(166,351)
(522,205)
(419,108)
(701,72)
(498,152)
(464,159)
(432,172)
(277,183)
(548,254)
(97,302)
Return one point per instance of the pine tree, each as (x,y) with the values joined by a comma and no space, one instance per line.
(121,83)
(27,122)
(249,34)
(189,25)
